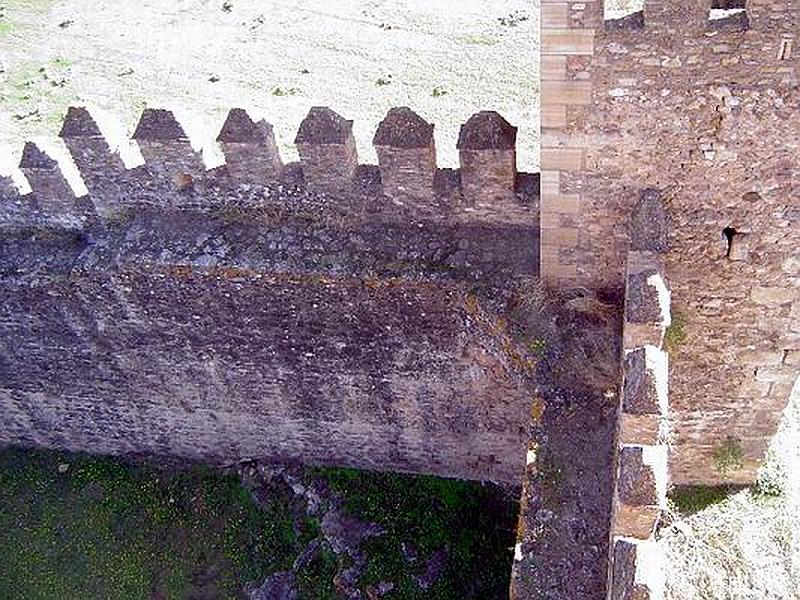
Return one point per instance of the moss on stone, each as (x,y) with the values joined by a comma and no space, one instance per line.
(675,334)
(688,500)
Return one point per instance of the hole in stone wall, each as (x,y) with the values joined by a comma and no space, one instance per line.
(727,235)
(751,197)
(785,49)
(730,15)
(736,244)
(624,14)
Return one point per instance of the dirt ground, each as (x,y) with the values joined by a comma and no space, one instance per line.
(444,59)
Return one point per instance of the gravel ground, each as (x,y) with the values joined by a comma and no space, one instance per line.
(445,59)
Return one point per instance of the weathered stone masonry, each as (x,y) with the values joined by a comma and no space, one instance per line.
(707,112)
(303,312)
(642,436)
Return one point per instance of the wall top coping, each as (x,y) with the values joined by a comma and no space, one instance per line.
(487,130)
(403,128)
(324,126)
(158,124)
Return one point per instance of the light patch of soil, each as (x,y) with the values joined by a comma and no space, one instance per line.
(748,545)
(444,59)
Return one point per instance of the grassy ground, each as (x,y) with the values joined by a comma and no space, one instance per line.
(473,524)
(75,526)
(107,529)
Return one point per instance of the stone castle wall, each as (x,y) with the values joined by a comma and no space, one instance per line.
(704,110)
(642,437)
(259,310)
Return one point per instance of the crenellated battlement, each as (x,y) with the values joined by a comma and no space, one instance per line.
(324,311)
(487,187)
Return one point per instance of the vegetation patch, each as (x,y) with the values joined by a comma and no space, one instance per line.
(691,499)
(80,526)
(467,526)
(728,456)
(75,526)
(675,334)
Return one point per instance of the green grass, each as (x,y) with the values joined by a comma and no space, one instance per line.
(728,456)
(109,529)
(6,27)
(694,498)
(473,523)
(106,528)
(675,334)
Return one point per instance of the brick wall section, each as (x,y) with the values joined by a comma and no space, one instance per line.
(327,150)
(488,159)
(101,169)
(701,111)
(167,151)
(227,365)
(643,419)
(406,156)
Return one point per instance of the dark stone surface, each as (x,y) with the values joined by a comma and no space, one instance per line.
(631,21)
(79,124)
(636,483)
(323,126)
(34,158)
(403,128)
(276,324)
(566,502)
(641,303)
(639,395)
(623,574)
(650,224)
(487,130)
(158,124)
(734,22)
(239,127)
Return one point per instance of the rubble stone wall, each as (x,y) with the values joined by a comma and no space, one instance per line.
(230,314)
(643,435)
(704,110)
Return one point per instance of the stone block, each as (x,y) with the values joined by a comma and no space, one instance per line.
(642,301)
(568,41)
(759,357)
(327,150)
(166,149)
(635,521)
(555,15)
(624,558)
(406,152)
(563,159)
(567,204)
(636,482)
(777,374)
(773,295)
(639,394)
(53,193)
(650,224)
(567,92)
(487,154)
(102,170)
(553,115)
(553,68)
(639,429)
(250,150)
